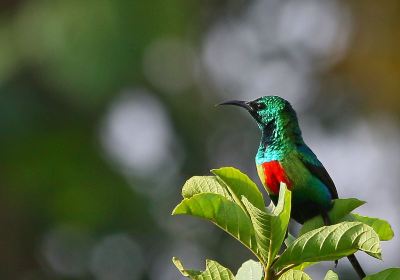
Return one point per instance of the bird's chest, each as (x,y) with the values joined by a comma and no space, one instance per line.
(272,174)
(288,171)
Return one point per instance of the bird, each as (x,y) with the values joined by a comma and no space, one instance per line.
(283,156)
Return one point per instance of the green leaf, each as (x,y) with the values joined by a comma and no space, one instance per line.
(341,207)
(281,222)
(331,276)
(341,213)
(239,184)
(213,271)
(224,213)
(381,227)
(294,275)
(188,273)
(331,243)
(270,228)
(304,265)
(387,274)
(250,270)
(204,184)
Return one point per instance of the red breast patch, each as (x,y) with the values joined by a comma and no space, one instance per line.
(274,174)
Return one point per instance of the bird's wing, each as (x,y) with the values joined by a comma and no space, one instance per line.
(316,168)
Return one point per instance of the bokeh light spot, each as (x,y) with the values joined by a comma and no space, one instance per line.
(67,250)
(117,257)
(137,133)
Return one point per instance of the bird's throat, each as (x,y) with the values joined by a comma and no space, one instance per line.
(269,144)
(268,133)
(276,141)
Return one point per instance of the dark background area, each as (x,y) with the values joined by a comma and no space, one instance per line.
(107,107)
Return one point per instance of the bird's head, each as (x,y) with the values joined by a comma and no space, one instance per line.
(267,110)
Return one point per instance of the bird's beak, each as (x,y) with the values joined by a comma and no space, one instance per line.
(239,103)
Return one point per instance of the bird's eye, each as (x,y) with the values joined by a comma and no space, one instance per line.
(260,106)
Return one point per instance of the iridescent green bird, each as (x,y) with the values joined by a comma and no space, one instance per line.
(284,157)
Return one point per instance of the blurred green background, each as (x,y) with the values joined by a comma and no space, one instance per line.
(107,107)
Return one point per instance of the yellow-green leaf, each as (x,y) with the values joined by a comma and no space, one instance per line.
(381,227)
(270,228)
(331,243)
(294,275)
(213,271)
(250,270)
(387,274)
(330,275)
(341,207)
(204,184)
(226,214)
(239,184)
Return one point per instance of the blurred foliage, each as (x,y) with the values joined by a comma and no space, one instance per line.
(60,64)
(373,64)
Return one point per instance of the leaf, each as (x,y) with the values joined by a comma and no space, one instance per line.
(270,228)
(239,184)
(282,212)
(288,241)
(204,184)
(262,223)
(331,276)
(294,275)
(188,273)
(250,270)
(341,207)
(341,213)
(331,243)
(224,213)
(387,274)
(381,227)
(304,265)
(213,271)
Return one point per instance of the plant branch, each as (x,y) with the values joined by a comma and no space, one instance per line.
(278,274)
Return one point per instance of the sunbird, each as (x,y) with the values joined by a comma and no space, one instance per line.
(283,156)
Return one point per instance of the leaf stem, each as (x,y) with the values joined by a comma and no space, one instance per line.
(266,273)
(278,274)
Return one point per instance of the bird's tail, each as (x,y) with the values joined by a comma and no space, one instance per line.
(352,258)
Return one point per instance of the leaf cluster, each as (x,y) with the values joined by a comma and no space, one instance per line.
(232,201)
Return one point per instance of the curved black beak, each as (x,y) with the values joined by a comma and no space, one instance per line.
(239,103)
